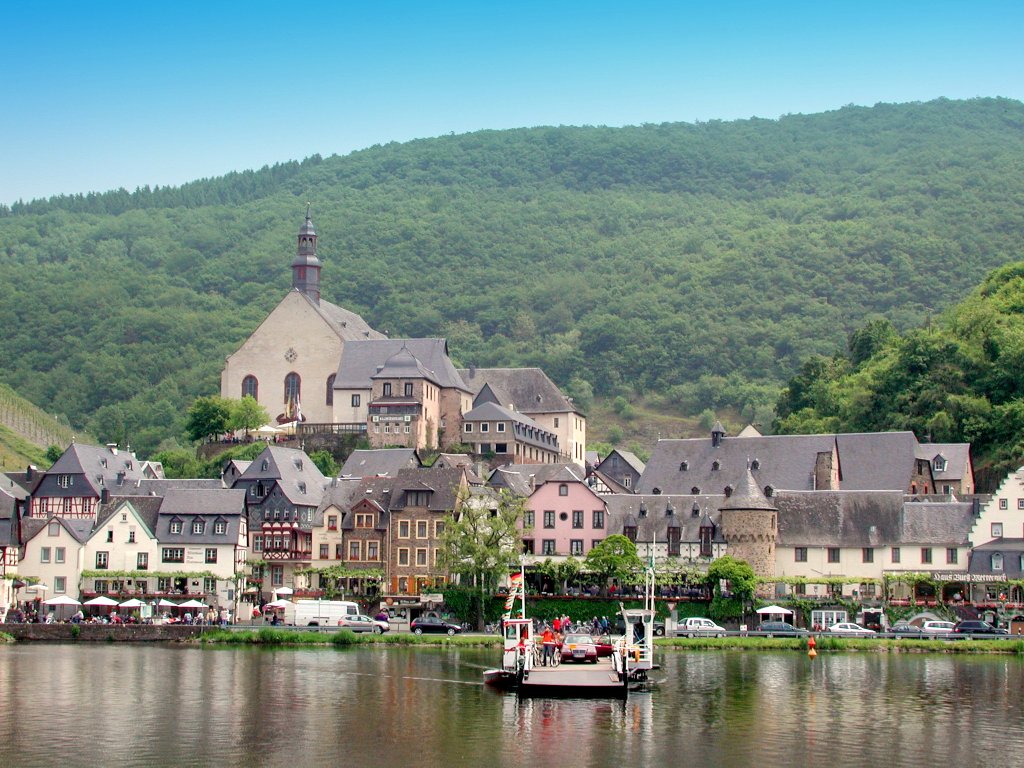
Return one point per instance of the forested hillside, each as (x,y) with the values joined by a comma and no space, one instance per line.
(698,265)
(958,379)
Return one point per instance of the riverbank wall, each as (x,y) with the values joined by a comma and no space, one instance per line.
(105,633)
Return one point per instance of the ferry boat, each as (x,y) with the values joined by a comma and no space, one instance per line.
(631,658)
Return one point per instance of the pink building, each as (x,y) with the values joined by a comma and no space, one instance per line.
(563,517)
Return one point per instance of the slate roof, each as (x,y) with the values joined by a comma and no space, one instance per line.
(517,477)
(101,466)
(161,487)
(747,495)
(379,491)
(527,390)
(1011,549)
(957,456)
(867,461)
(876,461)
(8,520)
(226,504)
(18,484)
(293,471)
(340,493)
(869,519)
(650,515)
(382,461)
(443,482)
(630,458)
(405,365)
(361,359)
(346,323)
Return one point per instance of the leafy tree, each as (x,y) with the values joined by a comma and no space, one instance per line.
(613,558)
(53,453)
(325,463)
(207,417)
(247,414)
(481,540)
(742,584)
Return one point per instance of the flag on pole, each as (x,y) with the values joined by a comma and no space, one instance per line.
(514,590)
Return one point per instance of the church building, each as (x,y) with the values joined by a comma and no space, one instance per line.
(290,361)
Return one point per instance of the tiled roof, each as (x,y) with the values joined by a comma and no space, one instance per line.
(957,456)
(521,479)
(650,515)
(443,483)
(347,324)
(298,477)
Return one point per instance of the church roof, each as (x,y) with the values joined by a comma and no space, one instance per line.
(527,390)
(360,360)
(346,323)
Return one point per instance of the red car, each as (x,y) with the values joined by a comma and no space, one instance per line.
(577,647)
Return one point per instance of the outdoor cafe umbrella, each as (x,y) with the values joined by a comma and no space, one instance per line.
(284,591)
(133,603)
(103,600)
(192,604)
(773,610)
(277,604)
(60,600)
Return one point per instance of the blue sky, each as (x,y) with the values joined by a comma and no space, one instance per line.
(98,95)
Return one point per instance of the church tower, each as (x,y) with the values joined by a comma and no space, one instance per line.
(306,266)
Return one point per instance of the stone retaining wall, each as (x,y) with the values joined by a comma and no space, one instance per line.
(133,633)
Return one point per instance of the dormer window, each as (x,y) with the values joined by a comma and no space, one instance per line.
(302,487)
(266,465)
(683,466)
(175,526)
(755,465)
(939,464)
(220,527)
(716,465)
(997,561)
(198,526)
(695,491)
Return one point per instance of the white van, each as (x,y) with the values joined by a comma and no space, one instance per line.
(694,627)
(322,613)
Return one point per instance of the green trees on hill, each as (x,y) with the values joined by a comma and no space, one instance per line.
(697,265)
(957,379)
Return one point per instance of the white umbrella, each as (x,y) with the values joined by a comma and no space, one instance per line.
(192,604)
(61,600)
(166,604)
(284,591)
(133,603)
(267,429)
(277,604)
(774,609)
(101,600)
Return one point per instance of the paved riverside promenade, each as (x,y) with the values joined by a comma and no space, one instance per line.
(128,633)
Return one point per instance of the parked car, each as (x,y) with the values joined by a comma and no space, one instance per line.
(937,627)
(433,624)
(361,623)
(780,629)
(579,648)
(696,627)
(849,628)
(975,627)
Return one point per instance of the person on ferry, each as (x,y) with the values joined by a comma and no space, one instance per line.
(548,638)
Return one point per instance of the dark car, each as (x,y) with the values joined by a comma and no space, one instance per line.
(433,624)
(780,629)
(975,627)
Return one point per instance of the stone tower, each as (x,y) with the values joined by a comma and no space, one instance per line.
(306,266)
(750,527)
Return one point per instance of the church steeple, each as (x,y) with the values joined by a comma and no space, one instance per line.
(306,267)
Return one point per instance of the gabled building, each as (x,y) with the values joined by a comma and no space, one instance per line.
(507,437)
(421,501)
(618,472)
(406,392)
(530,392)
(53,553)
(676,529)
(952,469)
(563,517)
(122,549)
(283,490)
(523,479)
(203,536)
(72,487)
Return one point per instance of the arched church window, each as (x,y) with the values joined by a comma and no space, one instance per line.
(292,387)
(330,389)
(250,387)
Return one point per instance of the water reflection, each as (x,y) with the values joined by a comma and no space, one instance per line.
(129,705)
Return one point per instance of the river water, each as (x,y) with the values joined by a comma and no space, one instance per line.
(149,705)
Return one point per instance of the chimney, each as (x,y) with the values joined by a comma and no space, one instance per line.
(104,495)
(472,371)
(30,472)
(112,447)
(120,478)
